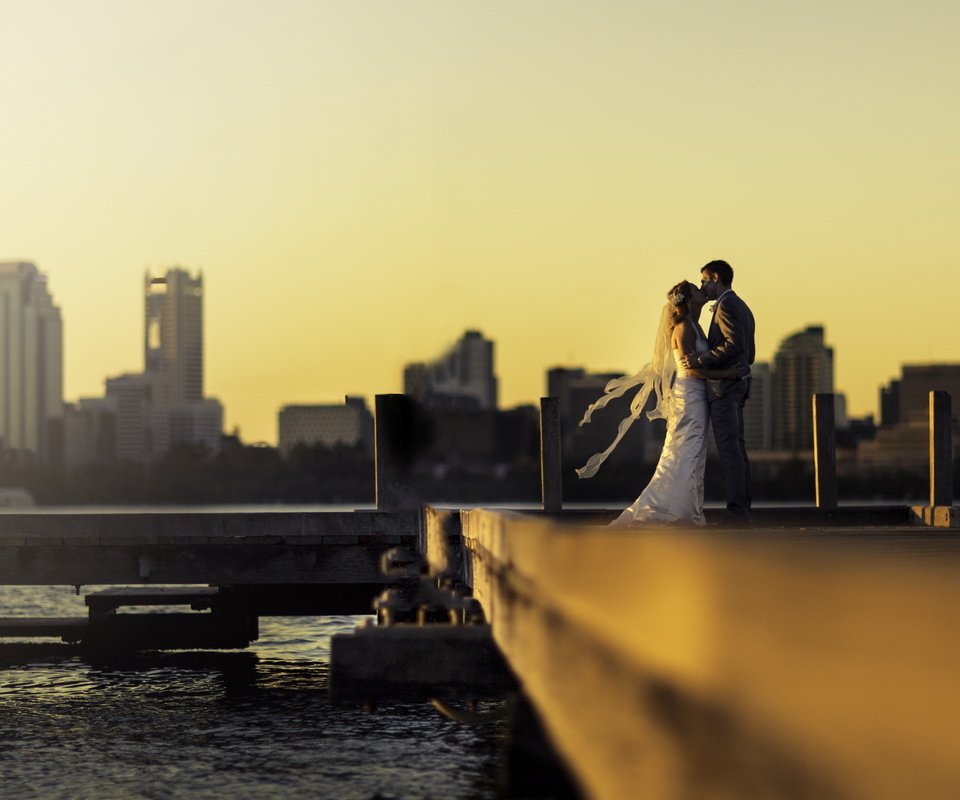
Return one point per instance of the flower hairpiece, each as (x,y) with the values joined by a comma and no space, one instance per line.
(676,297)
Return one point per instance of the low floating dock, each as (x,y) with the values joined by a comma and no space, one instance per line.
(246,564)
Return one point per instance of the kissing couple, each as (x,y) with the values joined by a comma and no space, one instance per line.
(698,381)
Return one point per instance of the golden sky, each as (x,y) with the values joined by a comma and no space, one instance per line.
(361,181)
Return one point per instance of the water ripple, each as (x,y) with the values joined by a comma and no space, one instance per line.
(257,723)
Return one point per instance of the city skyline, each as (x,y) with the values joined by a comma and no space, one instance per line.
(190,383)
(360,183)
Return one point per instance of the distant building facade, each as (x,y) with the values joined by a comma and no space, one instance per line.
(758,411)
(164,406)
(131,395)
(31,364)
(575,389)
(173,355)
(902,442)
(461,378)
(916,383)
(90,432)
(890,404)
(802,367)
(350,424)
(173,336)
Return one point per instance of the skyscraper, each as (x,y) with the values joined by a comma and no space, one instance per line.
(463,377)
(802,367)
(916,383)
(575,389)
(173,335)
(758,411)
(173,364)
(31,363)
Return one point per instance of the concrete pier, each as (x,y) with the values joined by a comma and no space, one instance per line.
(764,663)
(191,548)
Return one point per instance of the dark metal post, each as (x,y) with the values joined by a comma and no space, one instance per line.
(941,450)
(825,450)
(392,489)
(551,480)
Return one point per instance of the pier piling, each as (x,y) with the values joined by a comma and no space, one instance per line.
(551,479)
(398,430)
(825,450)
(941,450)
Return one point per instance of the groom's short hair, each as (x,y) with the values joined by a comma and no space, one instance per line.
(722,268)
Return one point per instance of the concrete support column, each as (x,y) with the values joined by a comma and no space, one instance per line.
(551,479)
(825,450)
(941,450)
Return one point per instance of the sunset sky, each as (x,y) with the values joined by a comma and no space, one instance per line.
(360,182)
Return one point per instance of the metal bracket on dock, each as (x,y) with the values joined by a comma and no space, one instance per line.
(414,596)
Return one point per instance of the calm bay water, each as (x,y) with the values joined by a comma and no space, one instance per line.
(243,724)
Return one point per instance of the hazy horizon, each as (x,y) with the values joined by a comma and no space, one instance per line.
(360,183)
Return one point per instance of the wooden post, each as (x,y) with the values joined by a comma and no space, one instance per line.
(551,480)
(825,450)
(941,450)
(391,424)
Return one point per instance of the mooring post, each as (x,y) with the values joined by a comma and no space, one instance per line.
(551,480)
(941,450)
(825,450)
(393,434)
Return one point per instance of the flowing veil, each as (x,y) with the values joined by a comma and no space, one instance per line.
(656,376)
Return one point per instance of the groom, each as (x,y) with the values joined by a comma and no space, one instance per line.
(731,341)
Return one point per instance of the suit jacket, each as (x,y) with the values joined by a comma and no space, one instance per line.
(731,335)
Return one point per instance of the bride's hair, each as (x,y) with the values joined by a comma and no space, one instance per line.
(679,297)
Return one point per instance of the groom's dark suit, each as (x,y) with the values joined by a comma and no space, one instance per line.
(731,341)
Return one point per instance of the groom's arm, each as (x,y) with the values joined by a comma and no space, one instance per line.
(734,338)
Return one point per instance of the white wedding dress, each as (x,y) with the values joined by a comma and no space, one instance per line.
(675,493)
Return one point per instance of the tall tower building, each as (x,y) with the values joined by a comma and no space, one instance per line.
(802,367)
(173,335)
(462,377)
(31,363)
(758,412)
(173,365)
(916,383)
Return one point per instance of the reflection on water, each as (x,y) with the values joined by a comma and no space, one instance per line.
(255,723)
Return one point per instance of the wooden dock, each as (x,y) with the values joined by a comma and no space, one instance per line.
(195,548)
(773,662)
(247,564)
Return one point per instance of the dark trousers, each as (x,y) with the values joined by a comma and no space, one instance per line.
(727,399)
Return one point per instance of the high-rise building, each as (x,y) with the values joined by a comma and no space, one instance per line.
(916,383)
(575,389)
(173,364)
(758,411)
(90,432)
(131,395)
(31,363)
(802,367)
(463,377)
(173,335)
(903,441)
(890,404)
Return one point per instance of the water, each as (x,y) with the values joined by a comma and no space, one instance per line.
(252,723)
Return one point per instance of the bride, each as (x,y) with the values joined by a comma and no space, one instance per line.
(675,493)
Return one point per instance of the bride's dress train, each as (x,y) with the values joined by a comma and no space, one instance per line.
(675,493)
